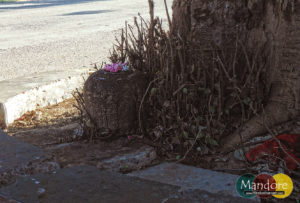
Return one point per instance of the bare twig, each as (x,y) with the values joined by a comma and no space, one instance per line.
(168,16)
(142,102)
(190,149)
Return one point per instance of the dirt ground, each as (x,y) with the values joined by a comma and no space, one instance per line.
(57,130)
(58,114)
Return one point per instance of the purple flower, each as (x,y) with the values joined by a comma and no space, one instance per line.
(107,67)
(116,67)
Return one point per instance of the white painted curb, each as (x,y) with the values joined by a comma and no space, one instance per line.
(19,95)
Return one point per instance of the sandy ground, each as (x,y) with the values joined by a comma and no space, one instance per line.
(37,36)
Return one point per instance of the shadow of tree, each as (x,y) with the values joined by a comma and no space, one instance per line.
(88,12)
(42,4)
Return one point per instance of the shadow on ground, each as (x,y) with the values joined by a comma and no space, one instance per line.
(88,12)
(41,4)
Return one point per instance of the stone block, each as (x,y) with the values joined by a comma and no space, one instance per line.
(112,99)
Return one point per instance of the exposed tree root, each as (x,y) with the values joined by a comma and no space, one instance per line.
(275,113)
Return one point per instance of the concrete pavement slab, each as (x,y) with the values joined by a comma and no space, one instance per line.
(192,178)
(88,184)
(14,153)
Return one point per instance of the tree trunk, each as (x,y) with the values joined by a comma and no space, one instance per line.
(266,28)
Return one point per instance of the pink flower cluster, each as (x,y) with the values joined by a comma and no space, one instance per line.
(116,67)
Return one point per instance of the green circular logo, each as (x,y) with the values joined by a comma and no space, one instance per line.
(244,185)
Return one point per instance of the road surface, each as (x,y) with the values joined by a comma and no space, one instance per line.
(38,36)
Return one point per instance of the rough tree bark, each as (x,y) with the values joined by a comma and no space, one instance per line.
(271,24)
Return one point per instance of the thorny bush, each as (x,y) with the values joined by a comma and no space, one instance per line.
(189,103)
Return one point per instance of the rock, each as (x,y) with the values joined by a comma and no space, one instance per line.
(41,167)
(41,192)
(131,161)
(239,155)
(50,135)
(112,99)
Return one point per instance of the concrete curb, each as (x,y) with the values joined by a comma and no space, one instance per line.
(19,95)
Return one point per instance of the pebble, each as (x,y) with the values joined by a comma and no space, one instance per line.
(41,192)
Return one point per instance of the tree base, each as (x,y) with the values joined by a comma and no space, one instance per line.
(275,113)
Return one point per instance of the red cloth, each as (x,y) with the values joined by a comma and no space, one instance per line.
(289,142)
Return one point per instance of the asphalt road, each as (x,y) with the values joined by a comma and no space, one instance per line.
(38,36)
